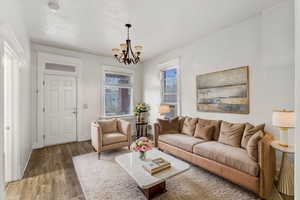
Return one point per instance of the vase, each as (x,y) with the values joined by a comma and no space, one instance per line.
(142,155)
(143,116)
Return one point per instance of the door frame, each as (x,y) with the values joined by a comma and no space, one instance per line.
(13,151)
(7,35)
(42,59)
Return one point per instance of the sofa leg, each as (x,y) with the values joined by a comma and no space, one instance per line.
(129,147)
(99,154)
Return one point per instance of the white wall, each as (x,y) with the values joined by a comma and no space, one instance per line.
(91,78)
(263,42)
(11,15)
(297,100)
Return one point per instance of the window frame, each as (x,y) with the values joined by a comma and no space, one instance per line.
(172,64)
(108,70)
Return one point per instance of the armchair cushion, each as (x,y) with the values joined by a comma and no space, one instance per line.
(124,127)
(108,126)
(112,138)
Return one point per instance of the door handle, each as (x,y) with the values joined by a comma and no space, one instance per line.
(74,112)
(7,128)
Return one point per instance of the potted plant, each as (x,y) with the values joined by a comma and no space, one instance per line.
(141,111)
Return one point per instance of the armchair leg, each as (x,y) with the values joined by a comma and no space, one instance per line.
(99,153)
(129,147)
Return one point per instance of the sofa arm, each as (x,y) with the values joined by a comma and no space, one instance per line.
(124,127)
(96,135)
(267,162)
(156,133)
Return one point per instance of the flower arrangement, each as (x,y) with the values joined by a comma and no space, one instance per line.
(142,145)
(140,108)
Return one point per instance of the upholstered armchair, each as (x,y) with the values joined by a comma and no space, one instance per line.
(110,134)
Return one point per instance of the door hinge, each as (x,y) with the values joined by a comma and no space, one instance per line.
(43,109)
(44,137)
(43,83)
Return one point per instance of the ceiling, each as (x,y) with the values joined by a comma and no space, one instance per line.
(97,26)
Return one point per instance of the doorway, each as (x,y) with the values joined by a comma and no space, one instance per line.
(11,63)
(60,109)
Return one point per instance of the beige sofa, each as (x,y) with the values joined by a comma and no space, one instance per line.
(232,163)
(110,134)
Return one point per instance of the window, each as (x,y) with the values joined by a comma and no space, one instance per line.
(118,94)
(169,90)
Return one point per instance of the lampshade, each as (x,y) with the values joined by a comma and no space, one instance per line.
(283,118)
(123,46)
(138,48)
(164,108)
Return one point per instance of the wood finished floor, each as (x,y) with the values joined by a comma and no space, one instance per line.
(50,175)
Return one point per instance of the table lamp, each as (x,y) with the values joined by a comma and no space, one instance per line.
(284,120)
(164,109)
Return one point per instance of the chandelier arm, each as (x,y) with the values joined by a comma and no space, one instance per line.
(132,52)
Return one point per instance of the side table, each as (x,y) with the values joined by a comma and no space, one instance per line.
(141,129)
(286,175)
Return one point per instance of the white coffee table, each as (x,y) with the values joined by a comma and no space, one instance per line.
(150,184)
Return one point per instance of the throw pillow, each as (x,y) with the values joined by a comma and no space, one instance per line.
(249,131)
(169,125)
(181,121)
(231,134)
(252,146)
(189,126)
(108,126)
(204,132)
(215,123)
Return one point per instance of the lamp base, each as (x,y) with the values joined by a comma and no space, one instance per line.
(284,140)
(283,145)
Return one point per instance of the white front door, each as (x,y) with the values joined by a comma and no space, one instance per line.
(60,108)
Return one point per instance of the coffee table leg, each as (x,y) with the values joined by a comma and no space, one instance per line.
(154,190)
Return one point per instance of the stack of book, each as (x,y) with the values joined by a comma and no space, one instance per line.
(157,165)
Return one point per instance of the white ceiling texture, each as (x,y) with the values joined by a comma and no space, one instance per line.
(97,26)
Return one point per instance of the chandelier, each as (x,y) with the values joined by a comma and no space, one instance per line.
(126,55)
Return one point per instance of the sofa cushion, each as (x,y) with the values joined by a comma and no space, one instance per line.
(108,126)
(204,132)
(169,125)
(112,138)
(181,121)
(234,157)
(249,131)
(231,134)
(180,141)
(252,145)
(215,123)
(189,126)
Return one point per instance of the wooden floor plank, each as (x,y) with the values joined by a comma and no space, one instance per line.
(50,174)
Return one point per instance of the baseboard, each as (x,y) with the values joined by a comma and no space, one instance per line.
(83,139)
(22,175)
(37,146)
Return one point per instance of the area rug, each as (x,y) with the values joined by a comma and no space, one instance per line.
(105,180)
